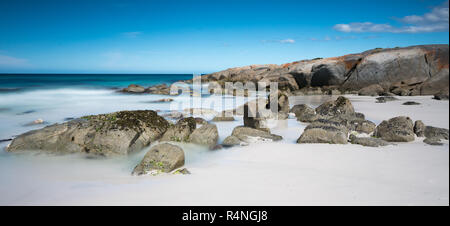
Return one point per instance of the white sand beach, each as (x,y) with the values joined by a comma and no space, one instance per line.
(277,173)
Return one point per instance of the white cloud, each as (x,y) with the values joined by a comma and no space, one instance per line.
(362,27)
(282,41)
(434,21)
(287,41)
(336,38)
(9,61)
(132,34)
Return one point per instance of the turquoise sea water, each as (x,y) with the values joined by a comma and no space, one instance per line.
(54,98)
(22,82)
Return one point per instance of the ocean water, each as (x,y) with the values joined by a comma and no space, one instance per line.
(56,97)
(23,82)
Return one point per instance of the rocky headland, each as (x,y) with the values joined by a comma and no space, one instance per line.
(408,71)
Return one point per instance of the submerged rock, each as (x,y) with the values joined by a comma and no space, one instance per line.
(117,133)
(411,103)
(231,141)
(5,140)
(360,115)
(398,129)
(27,112)
(36,122)
(173,115)
(161,89)
(434,132)
(441,96)
(133,89)
(200,121)
(368,141)
(182,171)
(164,100)
(200,111)
(250,135)
(205,135)
(223,119)
(160,158)
(385,99)
(433,141)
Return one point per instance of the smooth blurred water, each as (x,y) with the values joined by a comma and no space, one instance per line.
(20,82)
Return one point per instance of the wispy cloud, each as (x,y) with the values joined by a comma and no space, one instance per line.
(287,41)
(9,61)
(336,38)
(282,41)
(434,21)
(132,34)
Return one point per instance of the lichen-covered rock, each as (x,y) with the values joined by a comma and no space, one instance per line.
(200,111)
(328,73)
(372,90)
(438,82)
(368,141)
(363,126)
(200,121)
(205,135)
(341,106)
(419,70)
(304,113)
(180,131)
(250,135)
(281,100)
(360,115)
(134,89)
(441,96)
(324,131)
(160,158)
(112,134)
(223,119)
(433,141)
(256,114)
(354,123)
(161,89)
(231,141)
(434,132)
(164,100)
(419,128)
(398,129)
(174,115)
(385,99)
(182,171)
(399,91)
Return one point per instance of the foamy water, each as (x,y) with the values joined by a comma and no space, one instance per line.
(240,175)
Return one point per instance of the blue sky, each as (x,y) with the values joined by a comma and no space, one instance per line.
(204,36)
